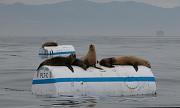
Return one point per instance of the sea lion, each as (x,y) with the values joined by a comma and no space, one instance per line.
(60,61)
(90,58)
(125,60)
(49,44)
(80,63)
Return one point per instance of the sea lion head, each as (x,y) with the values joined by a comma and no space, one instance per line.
(102,62)
(49,44)
(72,58)
(91,47)
(106,62)
(147,64)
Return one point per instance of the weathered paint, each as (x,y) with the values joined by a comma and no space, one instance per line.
(117,81)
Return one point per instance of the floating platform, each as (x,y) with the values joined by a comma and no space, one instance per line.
(117,81)
(60,50)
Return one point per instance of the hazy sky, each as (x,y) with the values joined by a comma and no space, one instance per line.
(161,3)
(129,19)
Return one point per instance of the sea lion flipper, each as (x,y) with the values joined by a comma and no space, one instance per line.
(70,67)
(135,67)
(97,67)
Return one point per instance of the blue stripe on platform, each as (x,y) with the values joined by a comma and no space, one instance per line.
(58,53)
(95,79)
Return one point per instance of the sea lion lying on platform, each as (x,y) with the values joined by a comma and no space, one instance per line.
(125,60)
(49,44)
(90,58)
(60,61)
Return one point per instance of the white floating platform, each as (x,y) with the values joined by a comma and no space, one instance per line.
(117,81)
(62,50)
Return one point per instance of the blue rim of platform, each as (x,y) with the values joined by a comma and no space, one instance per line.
(94,79)
(58,53)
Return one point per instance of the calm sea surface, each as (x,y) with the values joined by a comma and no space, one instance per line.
(19,59)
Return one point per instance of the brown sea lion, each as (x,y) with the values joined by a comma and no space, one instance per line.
(90,58)
(80,63)
(60,61)
(49,44)
(125,60)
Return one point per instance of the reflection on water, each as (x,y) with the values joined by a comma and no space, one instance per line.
(93,101)
(19,59)
(69,101)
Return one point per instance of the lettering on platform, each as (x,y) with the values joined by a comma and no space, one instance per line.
(44,73)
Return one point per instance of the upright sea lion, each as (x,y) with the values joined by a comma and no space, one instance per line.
(80,63)
(125,60)
(49,44)
(90,58)
(60,61)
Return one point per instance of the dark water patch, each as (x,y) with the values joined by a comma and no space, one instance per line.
(47,98)
(66,96)
(13,55)
(16,90)
(71,101)
(90,100)
(91,105)
(65,102)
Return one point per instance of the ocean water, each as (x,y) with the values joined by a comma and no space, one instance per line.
(19,59)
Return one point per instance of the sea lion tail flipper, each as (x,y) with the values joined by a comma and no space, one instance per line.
(95,67)
(135,67)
